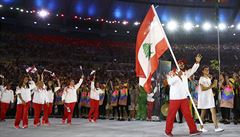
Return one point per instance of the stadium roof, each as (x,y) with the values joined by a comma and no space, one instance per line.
(105,15)
(134,10)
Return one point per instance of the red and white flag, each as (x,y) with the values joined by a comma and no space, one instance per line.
(50,72)
(32,69)
(150,46)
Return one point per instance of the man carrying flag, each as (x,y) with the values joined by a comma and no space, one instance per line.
(150,46)
(178,82)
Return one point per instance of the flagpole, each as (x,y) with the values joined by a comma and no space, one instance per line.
(174,58)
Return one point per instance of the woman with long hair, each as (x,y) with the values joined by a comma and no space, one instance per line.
(47,108)
(39,100)
(23,93)
(94,101)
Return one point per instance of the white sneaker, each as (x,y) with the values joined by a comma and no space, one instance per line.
(204,130)
(219,129)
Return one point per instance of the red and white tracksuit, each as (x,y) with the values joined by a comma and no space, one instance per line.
(70,98)
(47,108)
(94,102)
(39,99)
(22,109)
(179,100)
(7,96)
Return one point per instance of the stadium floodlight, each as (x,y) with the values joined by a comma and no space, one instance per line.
(136,23)
(222,26)
(172,25)
(128,32)
(43,13)
(188,26)
(238,26)
(124,22)
(1,5)
(207,26)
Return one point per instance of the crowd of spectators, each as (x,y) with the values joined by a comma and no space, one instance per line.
(113,60)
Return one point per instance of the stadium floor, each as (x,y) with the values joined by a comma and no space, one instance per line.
(107,128)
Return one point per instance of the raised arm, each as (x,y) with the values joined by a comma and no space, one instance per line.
(58,86)
(41,78)
(92,83)
(194,68)
(79,82)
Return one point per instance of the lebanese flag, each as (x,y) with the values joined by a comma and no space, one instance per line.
(150,46)
(32,69)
